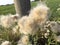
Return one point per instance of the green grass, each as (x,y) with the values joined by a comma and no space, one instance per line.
(54,5)
(33,4)
(7,9)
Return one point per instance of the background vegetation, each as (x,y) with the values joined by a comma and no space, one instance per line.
(54,6)
(7,9)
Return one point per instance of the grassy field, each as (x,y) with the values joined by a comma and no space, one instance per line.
(7,9)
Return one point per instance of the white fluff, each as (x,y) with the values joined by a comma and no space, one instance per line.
(38,16)
(6,43)
(26,24)
(40,13)
(8,21)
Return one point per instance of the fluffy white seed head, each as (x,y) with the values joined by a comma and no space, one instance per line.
(9,20)
(24,24)
(40,13)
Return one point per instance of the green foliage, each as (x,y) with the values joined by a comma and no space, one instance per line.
(54,6)
(33,4)
(7,9)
